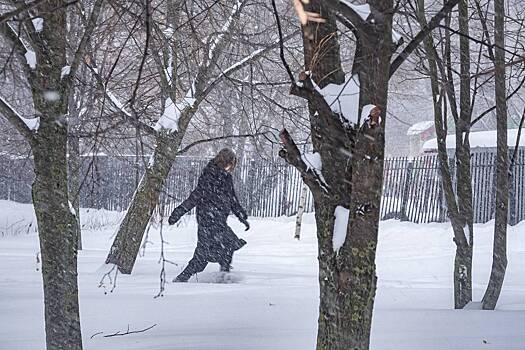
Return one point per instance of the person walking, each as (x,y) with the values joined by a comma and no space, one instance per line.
(215,198)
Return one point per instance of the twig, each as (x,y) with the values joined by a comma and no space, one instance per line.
(516,147)
(117,334)
(281,44)
(193,144)
(112,281)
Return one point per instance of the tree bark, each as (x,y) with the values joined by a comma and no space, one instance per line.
(499,254)
(460,206)
(126,245)
(57,227)
(74,164)
(352,166)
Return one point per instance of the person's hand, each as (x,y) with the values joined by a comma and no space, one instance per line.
(246,223)
(174,217)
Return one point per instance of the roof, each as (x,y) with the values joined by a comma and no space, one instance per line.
(478,139)
(420,127)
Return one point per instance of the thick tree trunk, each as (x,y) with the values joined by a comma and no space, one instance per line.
(347,275)
(57,229)
(127,243)
(499,254)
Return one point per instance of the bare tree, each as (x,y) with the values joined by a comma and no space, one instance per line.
(38,37)
(499,253)
(171,127)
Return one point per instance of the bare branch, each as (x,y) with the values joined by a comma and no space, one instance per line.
(92,22)
(8,15)
(281,43)
(292,155)
(418,39)
(193,144)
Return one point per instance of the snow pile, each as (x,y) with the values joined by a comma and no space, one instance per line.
(362,10)
(313,161)
(340,227)
(365,113)
(343,99)
(169,120)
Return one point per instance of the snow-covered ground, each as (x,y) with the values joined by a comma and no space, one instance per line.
(273,302)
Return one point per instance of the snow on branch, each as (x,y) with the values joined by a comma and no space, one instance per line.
(246,61)
(309,166)
(169,120)
(343,99)
(362,10)
(212,52)
(25,126)
(313,162)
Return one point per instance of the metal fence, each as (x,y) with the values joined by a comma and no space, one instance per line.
(411,190)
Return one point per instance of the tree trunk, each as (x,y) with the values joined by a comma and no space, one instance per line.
(460,206)
(126,245)
(347,277)
(499,254)
(74,163)
(57,229)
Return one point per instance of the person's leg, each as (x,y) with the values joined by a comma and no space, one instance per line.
(195,265)
(226,260)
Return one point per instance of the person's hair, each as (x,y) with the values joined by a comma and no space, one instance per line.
(225,157)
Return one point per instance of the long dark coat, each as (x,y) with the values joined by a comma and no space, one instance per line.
(215,199)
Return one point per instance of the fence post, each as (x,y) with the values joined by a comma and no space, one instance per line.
(406,190)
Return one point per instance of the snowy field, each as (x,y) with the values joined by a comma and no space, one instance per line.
(272,303)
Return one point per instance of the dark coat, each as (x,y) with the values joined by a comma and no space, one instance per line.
(215,199)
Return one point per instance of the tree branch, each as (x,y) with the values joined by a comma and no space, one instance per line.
(281,43)
(92,22)
(16,120)
(522,82)
(244,62)
(118,106)
(8,15)
(347,12)
(291,154)
(193,144)
(418,39)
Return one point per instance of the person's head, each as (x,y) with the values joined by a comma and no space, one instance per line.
(226,159)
